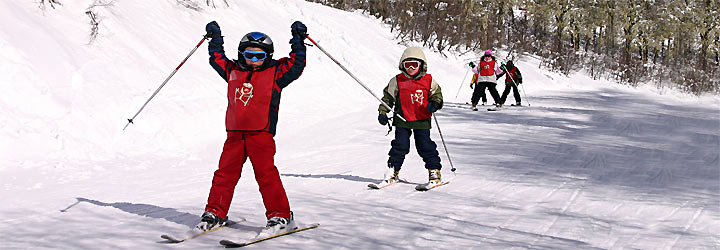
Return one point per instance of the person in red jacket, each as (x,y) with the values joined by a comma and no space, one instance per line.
(512,80)
(254,81)
(488,71)
(415,95)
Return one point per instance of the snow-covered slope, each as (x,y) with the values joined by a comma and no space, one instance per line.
(588,165)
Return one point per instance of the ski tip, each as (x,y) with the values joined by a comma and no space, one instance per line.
(231,244)
(170,239)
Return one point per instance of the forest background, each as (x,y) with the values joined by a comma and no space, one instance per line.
(667,43)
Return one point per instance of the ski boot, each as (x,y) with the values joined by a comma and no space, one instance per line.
(210,220)
(391,176)
(277,225)
(434,177)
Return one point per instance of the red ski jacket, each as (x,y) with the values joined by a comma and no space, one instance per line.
(254,95)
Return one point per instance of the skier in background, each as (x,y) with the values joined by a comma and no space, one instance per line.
(415,95)
(488,72)
(472,85)
(255,81)
(512,80)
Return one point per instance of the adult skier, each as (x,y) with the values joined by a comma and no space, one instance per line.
(512,80)
(488,72)
(415,95)
(254,81)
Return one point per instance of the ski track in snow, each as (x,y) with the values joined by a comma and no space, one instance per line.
(588,165)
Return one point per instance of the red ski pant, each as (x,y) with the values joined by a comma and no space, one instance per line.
(260,147)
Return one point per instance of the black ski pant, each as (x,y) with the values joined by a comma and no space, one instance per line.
(480,92)
(516,93)
(426,148)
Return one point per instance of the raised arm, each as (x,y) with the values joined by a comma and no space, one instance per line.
(292,67)
(218,61)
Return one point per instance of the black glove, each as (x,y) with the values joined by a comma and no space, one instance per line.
(213,30)
(383,119)
(299,32)
(471,64)
(433,106)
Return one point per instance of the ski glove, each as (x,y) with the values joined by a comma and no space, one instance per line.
(433,106)
(471,64)
(383,119)
(299,32)
(213,30)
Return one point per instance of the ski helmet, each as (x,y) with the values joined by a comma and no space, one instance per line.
(488,52)
(256,39)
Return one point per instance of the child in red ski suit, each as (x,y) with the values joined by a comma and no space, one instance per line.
(255,81)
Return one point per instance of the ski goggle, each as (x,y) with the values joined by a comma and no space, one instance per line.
(411,64)
(254,55)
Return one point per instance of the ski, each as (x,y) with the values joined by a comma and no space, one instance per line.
(195,232)
(425,187)
(382,184)
(232,244)
(493,109)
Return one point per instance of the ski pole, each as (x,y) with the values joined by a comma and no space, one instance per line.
(452,168)
(524,94)
(166,80)
(353,76)
(463,82)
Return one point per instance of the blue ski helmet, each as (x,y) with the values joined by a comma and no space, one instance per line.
(256,39)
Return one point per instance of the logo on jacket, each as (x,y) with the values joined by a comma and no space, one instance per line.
(417,97)
(244,94)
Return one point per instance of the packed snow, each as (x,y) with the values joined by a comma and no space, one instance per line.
(589,164)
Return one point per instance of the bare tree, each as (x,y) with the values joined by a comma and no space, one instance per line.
(51,2)
(94,18)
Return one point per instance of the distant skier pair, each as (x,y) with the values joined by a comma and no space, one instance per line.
(255,82)
(486,73)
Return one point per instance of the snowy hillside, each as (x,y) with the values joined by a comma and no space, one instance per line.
(589,165)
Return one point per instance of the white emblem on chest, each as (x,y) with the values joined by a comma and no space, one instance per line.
(418,97)
(244,94)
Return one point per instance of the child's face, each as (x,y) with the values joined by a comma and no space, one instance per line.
(487,59)
(251,63)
